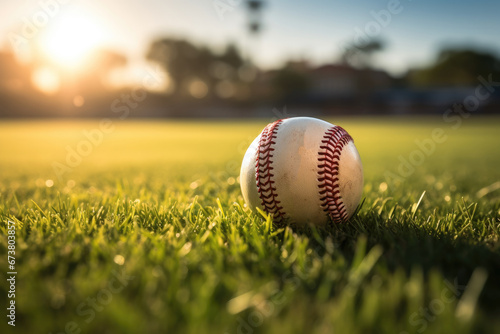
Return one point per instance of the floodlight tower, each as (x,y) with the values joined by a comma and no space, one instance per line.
(254,25)
(254,8)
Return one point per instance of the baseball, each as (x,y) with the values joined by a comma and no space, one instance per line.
(303,170)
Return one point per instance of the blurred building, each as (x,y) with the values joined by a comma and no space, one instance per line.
(13,76)
(328,87)
(334,81)
(214,84)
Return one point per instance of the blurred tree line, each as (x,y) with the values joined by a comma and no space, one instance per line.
(456,67)
(191,67)
(201,80)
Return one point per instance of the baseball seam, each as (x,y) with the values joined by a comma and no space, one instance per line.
(334,140)
(263,170)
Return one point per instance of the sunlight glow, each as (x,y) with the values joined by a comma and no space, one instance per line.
(71,38)
(78,101)
(198,89)
(46,80)
(141,74)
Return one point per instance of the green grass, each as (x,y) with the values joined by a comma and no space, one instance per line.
(160,202)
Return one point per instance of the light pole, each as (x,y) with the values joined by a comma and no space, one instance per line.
(254,26)
(254,15)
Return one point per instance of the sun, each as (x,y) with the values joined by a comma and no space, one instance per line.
(71,38)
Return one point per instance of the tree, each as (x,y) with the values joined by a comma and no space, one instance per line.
(456,67)
(184,62)
(93,80)
(289,82)
(232,57)
(177,57)
(362,56)
(105,61)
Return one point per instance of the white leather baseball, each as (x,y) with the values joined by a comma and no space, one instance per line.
(303,170)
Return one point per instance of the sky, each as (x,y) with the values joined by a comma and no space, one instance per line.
(316,30)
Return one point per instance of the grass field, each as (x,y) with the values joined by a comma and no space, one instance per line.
(147,232)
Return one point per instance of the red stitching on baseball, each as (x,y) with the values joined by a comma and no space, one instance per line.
(263,170)
(334,140)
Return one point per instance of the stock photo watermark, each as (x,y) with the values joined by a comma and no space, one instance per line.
(33,24)
(87,309)
(454,117)
(466,295)
(11,273)
(233,166)
(372,29)
(265,307)
(222,7)
(93,138)
(426,315)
